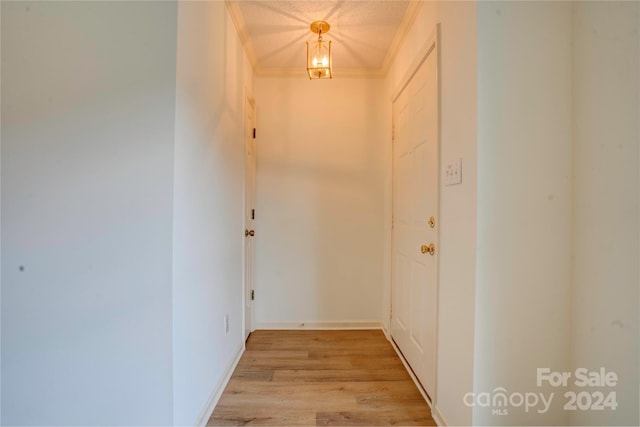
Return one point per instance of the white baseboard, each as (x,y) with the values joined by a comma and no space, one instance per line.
(437,417)
(219,388)
(313,325)
(386,333)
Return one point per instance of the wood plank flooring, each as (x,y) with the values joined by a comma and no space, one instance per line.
(320,378)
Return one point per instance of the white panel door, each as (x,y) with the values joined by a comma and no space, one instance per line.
(415,201)
(249,217)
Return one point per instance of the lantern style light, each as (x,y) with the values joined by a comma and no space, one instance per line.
(319,64)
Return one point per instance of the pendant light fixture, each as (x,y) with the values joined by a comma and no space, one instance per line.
(319,64)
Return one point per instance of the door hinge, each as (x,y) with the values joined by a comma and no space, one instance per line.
(254,133)
(253,295)
(253,214)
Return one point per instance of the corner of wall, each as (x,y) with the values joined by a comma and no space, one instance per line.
(212,81)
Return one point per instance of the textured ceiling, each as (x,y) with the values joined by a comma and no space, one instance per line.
(362,32)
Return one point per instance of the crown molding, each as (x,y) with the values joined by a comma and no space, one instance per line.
(239,23)
(341,73)
(407,22)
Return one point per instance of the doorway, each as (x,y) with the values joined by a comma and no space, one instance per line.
(249,214)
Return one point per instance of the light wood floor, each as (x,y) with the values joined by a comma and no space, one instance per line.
(320,378)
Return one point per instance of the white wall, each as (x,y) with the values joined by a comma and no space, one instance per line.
(87,161)
(319,200)
(558,198)
(129,228)
(524,201)
(605,214)
(458,203)
(212,74)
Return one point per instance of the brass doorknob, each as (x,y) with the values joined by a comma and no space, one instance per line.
(249,233)
(430,249)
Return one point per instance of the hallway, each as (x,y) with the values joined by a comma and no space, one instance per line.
(323,378)
(466,183)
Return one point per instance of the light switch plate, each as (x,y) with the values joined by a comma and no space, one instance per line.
(453,172)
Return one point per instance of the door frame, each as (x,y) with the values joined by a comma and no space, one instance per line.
(432,42)
(249,103)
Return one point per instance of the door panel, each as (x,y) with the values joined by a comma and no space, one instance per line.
(418,314)
(422,206)
(415,199)
(404,279)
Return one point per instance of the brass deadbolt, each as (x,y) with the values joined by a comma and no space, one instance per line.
(432,222)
